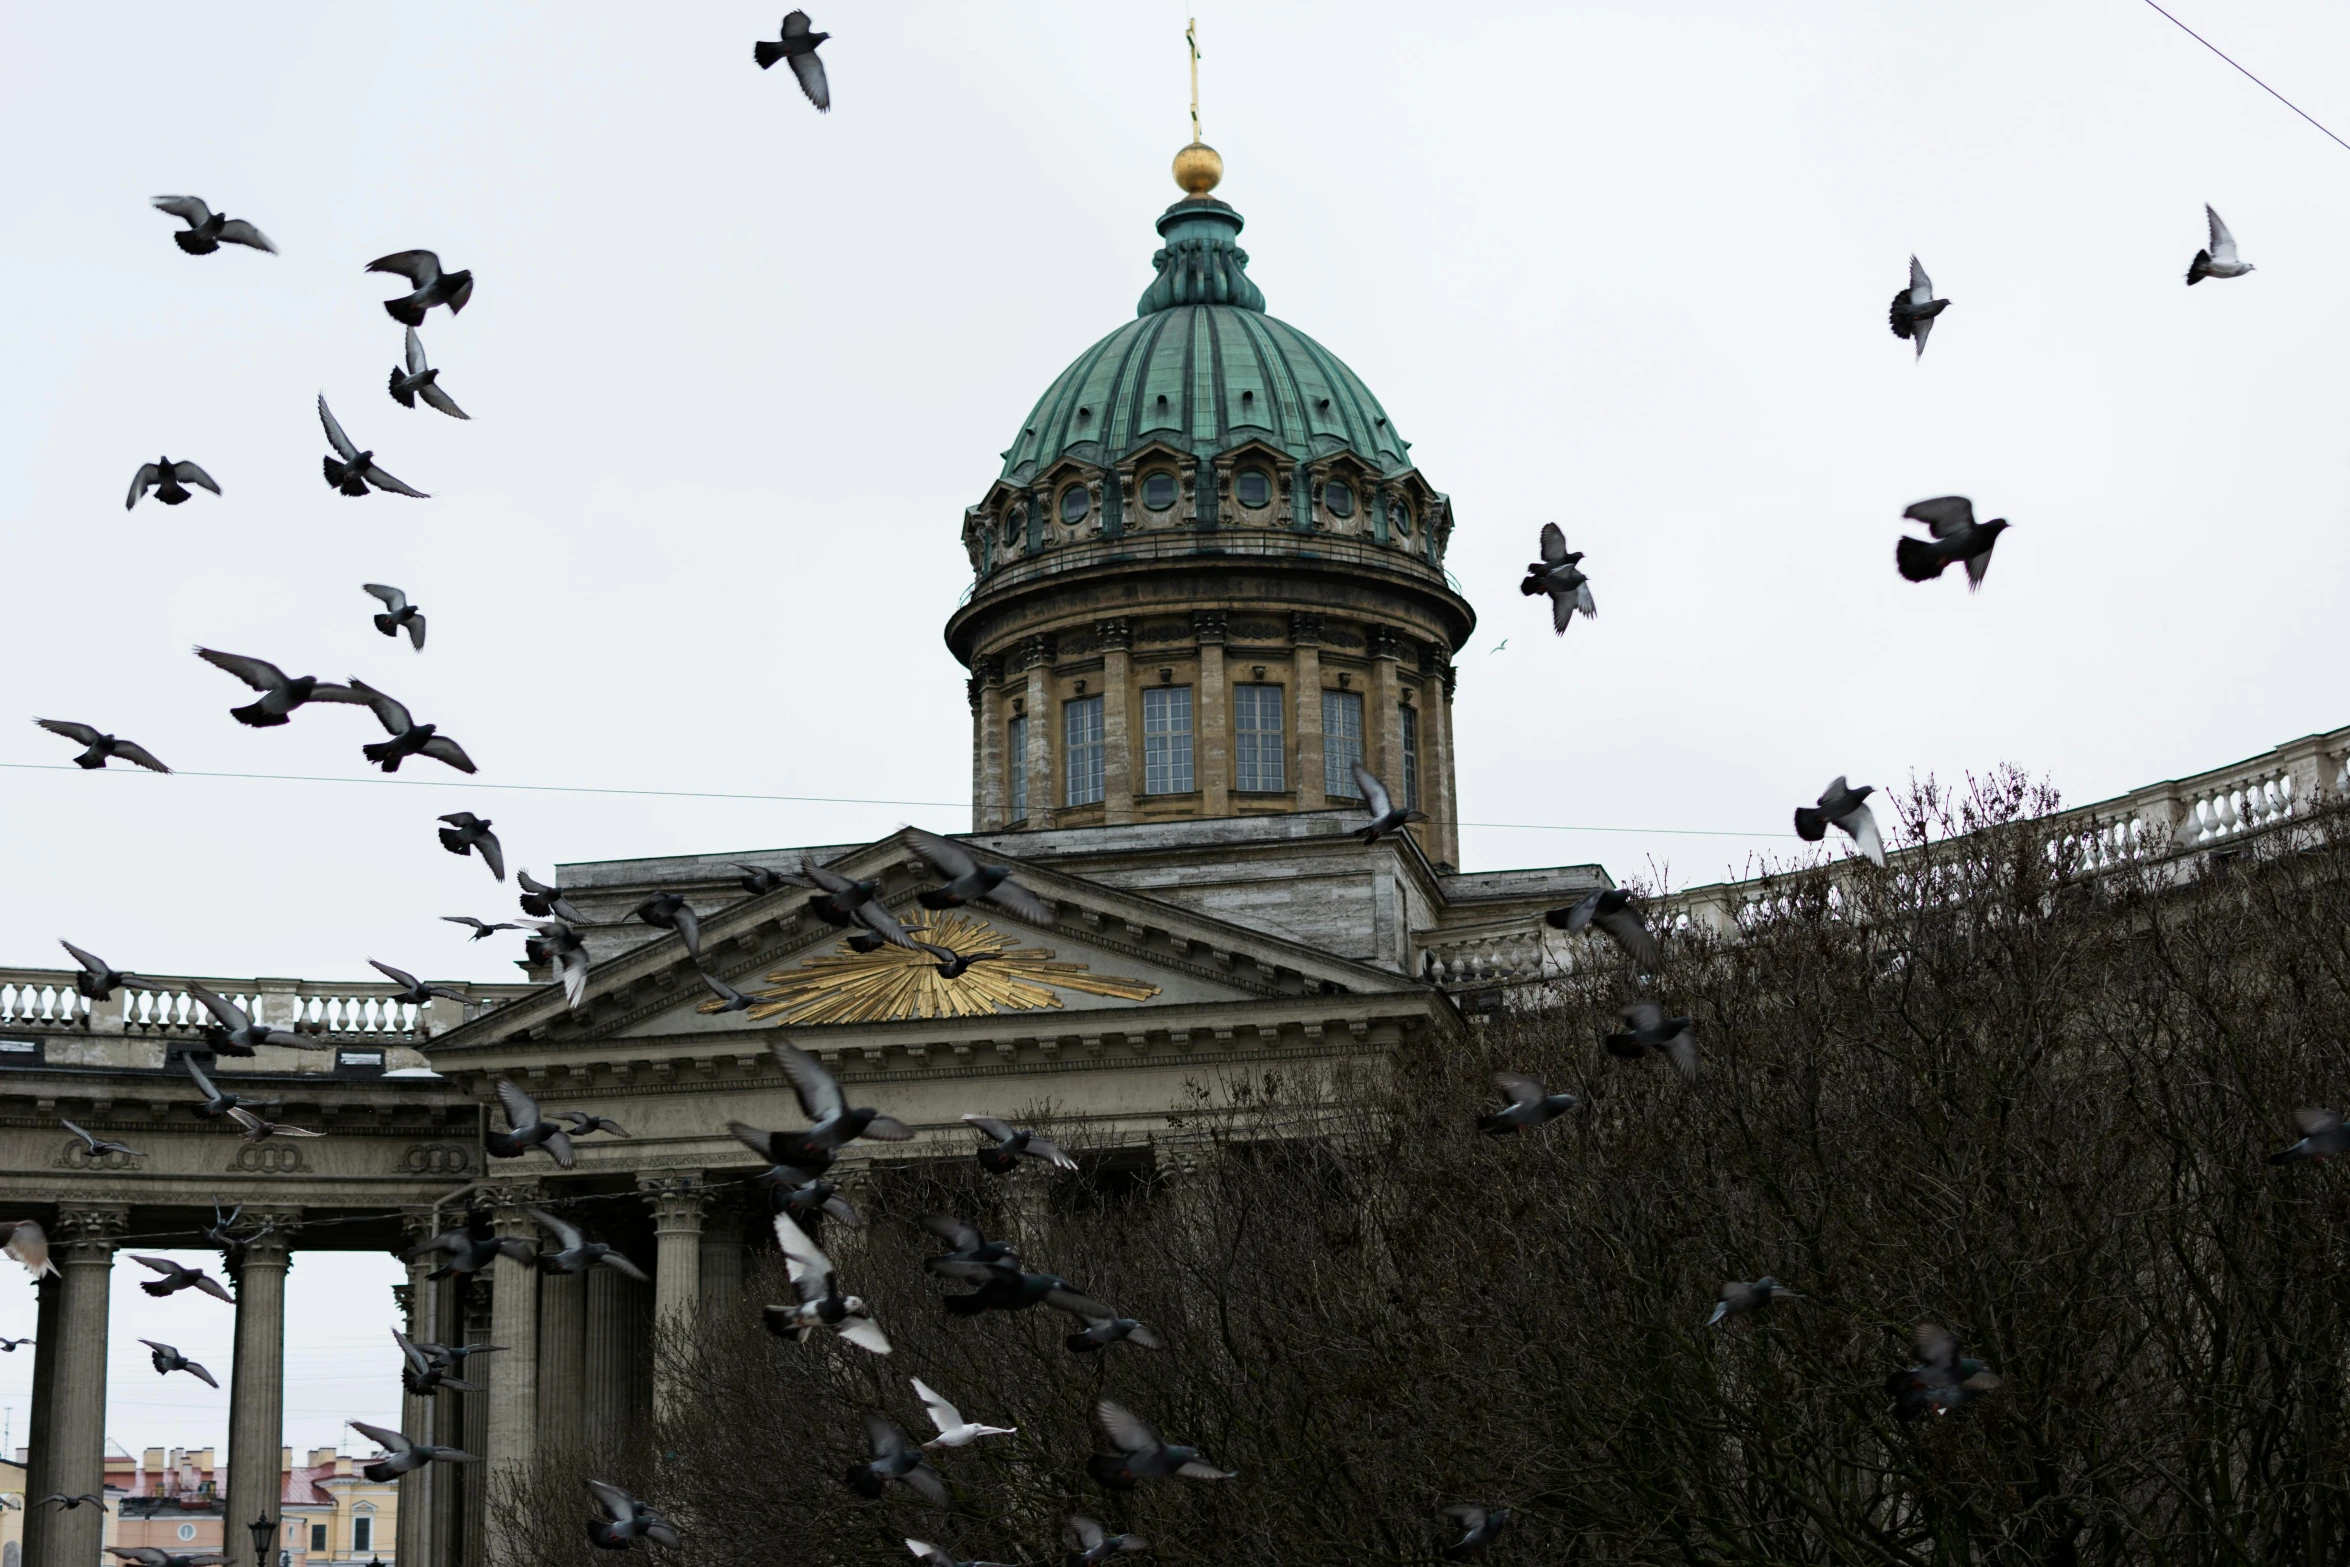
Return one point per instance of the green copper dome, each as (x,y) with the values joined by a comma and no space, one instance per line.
(1204,369)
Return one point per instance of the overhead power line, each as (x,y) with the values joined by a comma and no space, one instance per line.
(2256,81)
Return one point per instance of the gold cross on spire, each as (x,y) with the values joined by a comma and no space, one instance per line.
(1191,38)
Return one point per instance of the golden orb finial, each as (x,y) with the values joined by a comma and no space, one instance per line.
(1199,168)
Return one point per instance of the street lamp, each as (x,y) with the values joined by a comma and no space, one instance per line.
(264,1531)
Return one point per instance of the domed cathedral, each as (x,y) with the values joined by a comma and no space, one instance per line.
(1209,578)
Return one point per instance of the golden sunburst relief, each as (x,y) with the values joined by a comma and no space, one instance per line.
(847,986)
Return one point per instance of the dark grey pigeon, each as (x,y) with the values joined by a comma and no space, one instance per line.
(1647,1028)
(1528,1105)
(837,1123)
(1096,1545)
(1739,1297)
(422,380)
(2219,259)
(2322,1137)
(625,1519)
(466,833)
(585,1121)
(729,998)
(9,1346)
(402,1456)
(1385,818)
(843,902)
(547,902)
(470,1250)
(218,1103)
(1142,1453)
(351,470)
(798,45)
(100,748)
(1009,1289)
(281,693)
(415,991)
(575,1253)
(951,964)
(821,1303)
(1915,308)
(100,1145)
(399,615)
(1956,536)
(1484,1525)
(206,229)
(1105,1331)
(558,944)
(931,1556)
(408,737)
(256,1130)
(978,1256)
(1009,1144)
(526,1129)
(433,285)
(168,480)
(98,981)
(758,880)
(1941,1381)
(809,1203)
(157,1556)
(69,1503)
(176,1278)
(670,911)
(238,1034)
(1613,911)
(1846,808)
(481,928)
(968,881)
(222,1231)
(895,1457)
(1556,574)
(422,1374)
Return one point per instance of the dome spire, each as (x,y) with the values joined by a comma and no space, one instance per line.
(1198,168)
(1200,263)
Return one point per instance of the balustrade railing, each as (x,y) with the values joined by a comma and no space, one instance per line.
(45,1002)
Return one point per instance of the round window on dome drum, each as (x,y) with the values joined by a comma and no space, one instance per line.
(1015,523)
(1399,517)
(1158,490)
(1075,503)
(1253,488)
(1338,499)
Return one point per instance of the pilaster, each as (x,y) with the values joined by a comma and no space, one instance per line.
(1044,744)
(1115,638)
(1383,725)
(1212,765)
(1306,631)
(988,795)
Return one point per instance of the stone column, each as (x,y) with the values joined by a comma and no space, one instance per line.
(562,1359)
(1044,745)
(1212,714)
(988,801)
(513,1395)
(1306,631)
(257,1376)
(1437,745)
(38,1483)
(677,1201)
(722,1256)
(82,1245)
(1119,760)
(467,1513)
(609,1393)
(418,1301)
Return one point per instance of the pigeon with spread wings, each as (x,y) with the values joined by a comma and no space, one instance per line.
(351,470)
(1386,818)
(95,1146)
(1529,1105)
(168,1359)
(1558,575)
(1915,308)
(402,1456)
(1847,809)
(169,481)
(177,1277)
(238,1034)
(558,944)
(625,1519)
(398,614)
(894,1458)
(468,833)
(415,991)
(422,380)
(953,1429)
(527,1128)
(281,693)
(97,980)
(821,1304)
(206,229)
(408,737)
(967,881)
(258,1130)
(2219,259)
(798,45)
(575,1253)
(1612,910)
(1647,1028)
(2322,1136)
(433,285)
(1096,1544)
(836,1122)
(1010,1144)
(1142,1454)
(1956,537)
(1942,1380)
(100,748)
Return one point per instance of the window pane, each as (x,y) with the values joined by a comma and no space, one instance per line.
(1158,491)
(1411,758)
(362,1534)
(1256,738)
(1342,742)
(1339,499)
(1075,502)
(1016,764)
(1253,488)
(318,1537)
(1082,735)
(1166,739)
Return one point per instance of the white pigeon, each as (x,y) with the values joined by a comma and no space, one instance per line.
(953,1429)
(2220,260)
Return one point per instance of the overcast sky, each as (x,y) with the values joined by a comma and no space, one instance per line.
(736,368)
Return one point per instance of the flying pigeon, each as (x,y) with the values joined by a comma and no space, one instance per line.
(1484,1525)
(670,911)
(481,928)
(894,1458)
(547,902)
(422,380)
(951,964)
(557,943)
(843,902)
(28,1243)
(168,480)
(1848,809)
(586,1121)
(1942,1380)
(1385,818)
(625,1519)
(9,1346)
(422,1372)
(931,1556)
(1105,1331)
(953,1429)
(99,1145)
(1528,1105)
(238,1034)
(821,1304)
(798,45)
(810,1203)
(1009,1289)
(356,469)
(1956,536)
(222,1230)
(1142,1453)
(1096,1545)
(729,998)
(401,1455)
(398,613)
(1647,1028)
(69,1503)
(1612,910)
(257,1130)
(758,880)
(2322,1136)
(176,1277)
(2220,260)
(969,1254)
(527,1129)
(575,1253)
(217,1103)
(102,747)
(433,286)
(167,1360)
(280,692)
(1556,574)
(470,1250)
(208,230)
(408,737)
(157,1556)
(1003,1156)
(467,832)
(836,1124)
(1915,308)
(1739,1297)
(99,982)
(415,991)
(968,881)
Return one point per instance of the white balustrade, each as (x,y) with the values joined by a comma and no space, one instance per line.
(45,1001)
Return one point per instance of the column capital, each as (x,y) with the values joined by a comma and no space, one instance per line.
(1039,649)
(678,1200)
(1115,633)
(1305,628)
(89,1232)
(1208,625)
(1386,643)
(509,1198)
